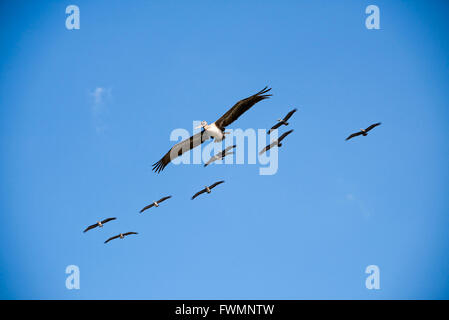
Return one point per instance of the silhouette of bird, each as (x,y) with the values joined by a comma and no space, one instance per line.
(363,132)
(155,203)
(276,142)
(282,121)
(99,224)
(214,130)
(121,236)
(220,155)
(207,189)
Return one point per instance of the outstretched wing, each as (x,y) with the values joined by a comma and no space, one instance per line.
(220,155)
(228,153)
(353,135)
(212,159)
(198,193)
(372,126)
(284,135)
(112,238)
(277,125)
(268,147)
(216,184)
(225,152)
(289,114)
(163,199)
(107,220)
(128,233)
(179,149)
(241,107)
(230,147)
(91,227)
(147,207)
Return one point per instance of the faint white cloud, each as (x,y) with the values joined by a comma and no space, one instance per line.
(100,98)
(98,95)
(360,203)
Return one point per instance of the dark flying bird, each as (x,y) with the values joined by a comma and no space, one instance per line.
(282,121)
(99,224)
(214,130)
(121,236)
(276,142)
(220,155)
(207,189)
(155,203)
(363,132)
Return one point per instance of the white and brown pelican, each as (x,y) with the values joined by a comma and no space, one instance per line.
(214,130)
(207,189)
(276,142)
(99,224)
(282,121)
(363,132)
(121,236)
(220,155)
(155,203)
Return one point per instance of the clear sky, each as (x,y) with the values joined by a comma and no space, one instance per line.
(84,113)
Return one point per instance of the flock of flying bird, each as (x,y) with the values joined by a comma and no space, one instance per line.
(216,131)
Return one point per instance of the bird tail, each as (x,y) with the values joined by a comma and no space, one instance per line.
(263,91)
(159,166)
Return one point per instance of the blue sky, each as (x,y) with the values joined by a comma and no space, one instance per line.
(70,157)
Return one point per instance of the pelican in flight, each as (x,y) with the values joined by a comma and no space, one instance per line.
(214,130)
(155,203)
(207,189)
(282,121)
(99,224)
(276,142)
(121,236)
(363,132)
(220,155)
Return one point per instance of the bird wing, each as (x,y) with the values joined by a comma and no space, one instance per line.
(231,147)
(163,199)
(91,227)
(216,184)
(353,135)
(107,220)
(225,152)
(179,149)
(241,107)
(288,116)
(221,154)
(147,207)
(198,193)
(128,233)
(212,159)
(112,238)
(284,135)
(268,147)
(277,125)
(372,126)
